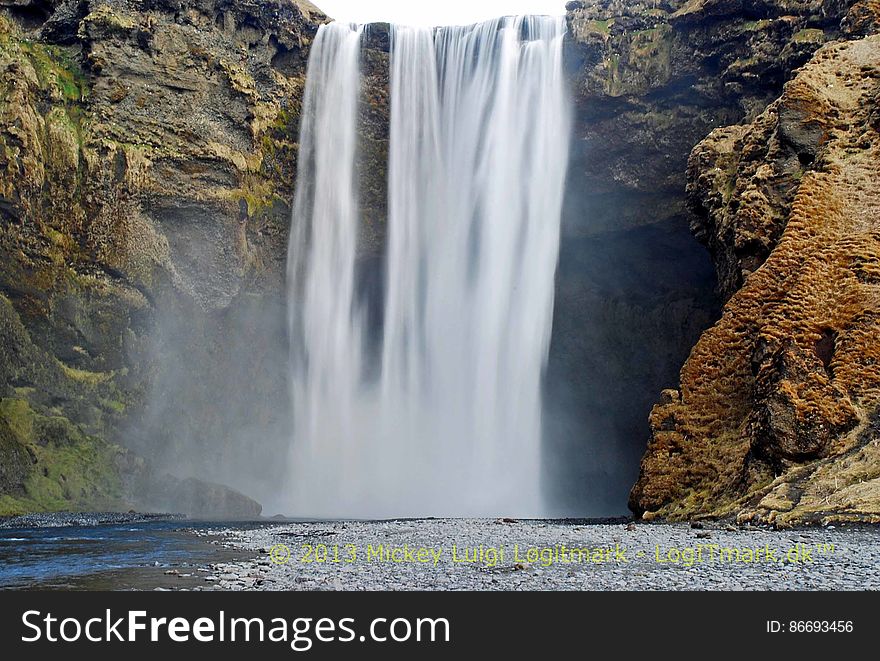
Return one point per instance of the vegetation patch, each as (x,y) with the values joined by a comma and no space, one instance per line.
(56,69)
(602,27)
(68,469)
(808,35)
(84,376)
(19,418)
(104,17)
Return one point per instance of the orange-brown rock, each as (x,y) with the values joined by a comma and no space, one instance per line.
(778,415)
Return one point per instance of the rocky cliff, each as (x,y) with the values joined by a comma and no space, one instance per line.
(777,416)
(147,157)
(650,81)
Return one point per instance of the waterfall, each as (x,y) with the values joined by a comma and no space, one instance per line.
(325,334)
(451,424)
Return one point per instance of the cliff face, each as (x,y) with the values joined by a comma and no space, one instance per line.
(653,78)
(147,158)
(635,291)
(777,416)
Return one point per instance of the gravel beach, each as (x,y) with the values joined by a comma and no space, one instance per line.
(453,554)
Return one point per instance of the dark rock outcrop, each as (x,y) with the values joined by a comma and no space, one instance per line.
(653,78)
(194,498)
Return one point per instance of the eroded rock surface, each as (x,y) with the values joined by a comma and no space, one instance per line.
(635,291)
(777,416)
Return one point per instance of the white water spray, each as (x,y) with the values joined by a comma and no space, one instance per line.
(477,164)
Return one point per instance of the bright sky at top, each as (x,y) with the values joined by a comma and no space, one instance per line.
(433,13)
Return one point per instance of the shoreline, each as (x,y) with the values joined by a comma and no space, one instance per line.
(37,520)
(463,554)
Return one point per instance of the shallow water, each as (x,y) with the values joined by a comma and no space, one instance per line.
(119,556)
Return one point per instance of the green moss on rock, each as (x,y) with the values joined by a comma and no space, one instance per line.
(19,419)
(809,35)
(602,27)
(104,20)
(47,463)
(56,69)
(14,462)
